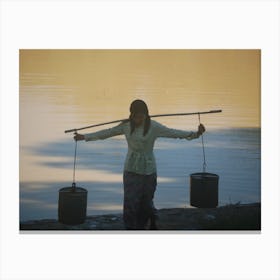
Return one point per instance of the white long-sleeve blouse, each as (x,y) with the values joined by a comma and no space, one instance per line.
(140,158)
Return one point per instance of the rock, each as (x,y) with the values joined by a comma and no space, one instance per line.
(210,217)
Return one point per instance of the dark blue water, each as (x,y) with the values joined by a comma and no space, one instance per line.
(233,154)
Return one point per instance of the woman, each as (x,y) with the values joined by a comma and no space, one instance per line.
(140,174)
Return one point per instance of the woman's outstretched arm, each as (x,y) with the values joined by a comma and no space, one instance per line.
(101,134)
(163,131)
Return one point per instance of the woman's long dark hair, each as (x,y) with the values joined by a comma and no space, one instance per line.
(139,106)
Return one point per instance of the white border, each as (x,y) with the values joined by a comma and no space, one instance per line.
(140,24)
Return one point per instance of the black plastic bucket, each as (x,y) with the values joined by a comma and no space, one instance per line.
(204,190)
(72,205)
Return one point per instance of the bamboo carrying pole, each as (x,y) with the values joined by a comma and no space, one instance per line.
(153,116)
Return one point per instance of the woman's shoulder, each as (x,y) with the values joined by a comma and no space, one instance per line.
(125,124)
(155,124)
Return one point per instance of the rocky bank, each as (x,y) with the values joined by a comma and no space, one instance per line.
(229,217)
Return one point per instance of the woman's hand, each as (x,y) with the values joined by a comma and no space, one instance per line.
(79,137)
(201,129)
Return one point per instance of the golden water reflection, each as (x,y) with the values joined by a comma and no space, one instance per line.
(88,86)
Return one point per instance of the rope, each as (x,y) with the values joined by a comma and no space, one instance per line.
(74,167)
(203,149)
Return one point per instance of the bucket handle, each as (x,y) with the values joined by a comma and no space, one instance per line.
(203,149)
(74,166)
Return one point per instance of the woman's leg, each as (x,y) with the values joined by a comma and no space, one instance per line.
(153,217)
(133,186)
(147,206)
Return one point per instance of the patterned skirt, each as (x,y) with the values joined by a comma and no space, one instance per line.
(138,204)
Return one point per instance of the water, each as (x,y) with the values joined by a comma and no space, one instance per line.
(61,90)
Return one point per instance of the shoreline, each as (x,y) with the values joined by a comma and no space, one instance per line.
(228,217)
